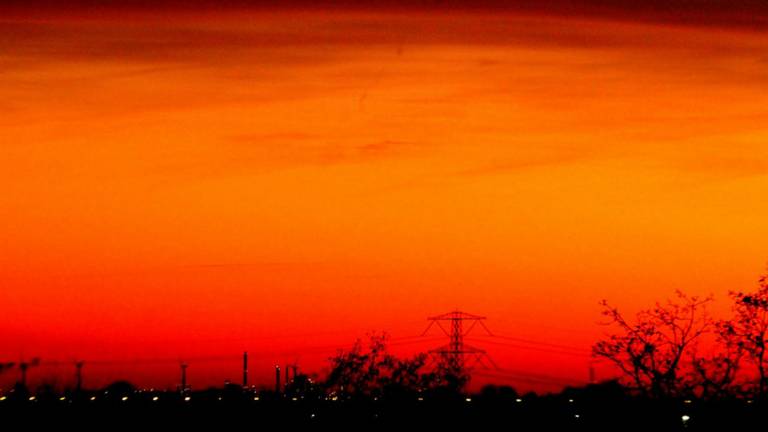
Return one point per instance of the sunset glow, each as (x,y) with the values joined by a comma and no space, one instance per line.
(203,183)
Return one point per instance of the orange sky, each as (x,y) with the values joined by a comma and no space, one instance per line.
(273,181)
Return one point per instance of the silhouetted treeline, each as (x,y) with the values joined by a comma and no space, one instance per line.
(677,368)
(368,386)
(676,349)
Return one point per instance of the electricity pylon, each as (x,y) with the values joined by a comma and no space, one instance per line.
(458,357)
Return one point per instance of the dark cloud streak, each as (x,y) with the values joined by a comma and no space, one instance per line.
(279,39)
(728,13)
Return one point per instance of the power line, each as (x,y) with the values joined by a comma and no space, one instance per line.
(517,374)
(453,353)
(535,342)
(415,341)
(526,379)
(536,375)
(535,348)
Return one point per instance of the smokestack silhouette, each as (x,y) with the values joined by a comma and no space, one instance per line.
(287,375)
(245,369)
(183,378)
(79,376)
(277,379)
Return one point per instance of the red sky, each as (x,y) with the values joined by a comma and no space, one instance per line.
(184,183)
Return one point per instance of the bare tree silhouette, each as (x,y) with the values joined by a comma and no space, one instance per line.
(374,372)
(650,351)
(749,329)
(716,376)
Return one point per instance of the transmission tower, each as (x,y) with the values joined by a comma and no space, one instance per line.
(457,356)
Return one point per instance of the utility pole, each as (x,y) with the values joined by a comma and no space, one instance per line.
(23,366)
(454,355)
(245,369)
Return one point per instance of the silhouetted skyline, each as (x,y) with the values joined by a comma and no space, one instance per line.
(187,181)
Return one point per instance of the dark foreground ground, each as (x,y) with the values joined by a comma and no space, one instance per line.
(144,412)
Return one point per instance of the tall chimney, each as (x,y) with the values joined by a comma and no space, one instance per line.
(245,369)
(287,375)
(277,379)
(183,378)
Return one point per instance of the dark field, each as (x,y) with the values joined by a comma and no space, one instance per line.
(219,410)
